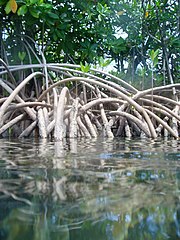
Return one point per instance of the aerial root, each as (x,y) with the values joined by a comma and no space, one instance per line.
(81,104)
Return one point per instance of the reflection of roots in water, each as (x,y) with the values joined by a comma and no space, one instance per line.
(121,189)
(84,215)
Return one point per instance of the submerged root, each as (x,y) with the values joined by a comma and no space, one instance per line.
(79,104)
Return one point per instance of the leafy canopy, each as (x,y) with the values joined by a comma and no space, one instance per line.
(92,31)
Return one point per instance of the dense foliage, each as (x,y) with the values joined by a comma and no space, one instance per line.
(140,36)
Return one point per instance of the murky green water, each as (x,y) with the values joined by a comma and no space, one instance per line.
(90,189)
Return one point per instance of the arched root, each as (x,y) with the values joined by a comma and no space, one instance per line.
(85,105)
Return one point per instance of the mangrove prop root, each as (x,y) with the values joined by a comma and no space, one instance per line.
(77,104)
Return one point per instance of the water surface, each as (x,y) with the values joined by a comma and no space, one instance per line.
(90,189)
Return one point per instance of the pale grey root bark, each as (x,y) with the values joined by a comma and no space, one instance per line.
(160,126)
(42,124)
(60,127)
(165,125)
(93,105)
(15,92)
(138,122)
(28,130)
(90,126)
(73,126)
(107,129)
(11,123)
(174,119)
(30,112)
(83,127)
(127,130)
(111,89)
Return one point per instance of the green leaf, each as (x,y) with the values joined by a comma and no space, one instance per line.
(154,56)
(50,22)
(104,62)
(2,2)
(53,15)
(34,12)
(21,55)
(100,8)
(156,53)
(175,43)
(22,10)
(99,18)
(59,33)
(34,1)
(45,6)
(8,7)
(155,62)
(55,37)
(85,68)
(151,54)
